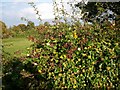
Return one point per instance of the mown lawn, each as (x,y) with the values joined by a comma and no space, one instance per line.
(18,45)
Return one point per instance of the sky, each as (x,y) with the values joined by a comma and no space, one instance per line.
(11,11)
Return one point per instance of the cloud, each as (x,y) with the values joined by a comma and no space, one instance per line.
(16,9)
(58,1)
(45,10)
(27,1)
(19,1)
(27,13)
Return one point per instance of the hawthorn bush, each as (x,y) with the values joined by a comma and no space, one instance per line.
(72,56)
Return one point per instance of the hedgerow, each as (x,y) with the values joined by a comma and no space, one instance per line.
(78,57)
(69,56)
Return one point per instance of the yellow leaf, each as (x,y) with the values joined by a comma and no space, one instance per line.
(60,74)
(74,86)
(89,57)
(108,68)
(39,71)
(75,35)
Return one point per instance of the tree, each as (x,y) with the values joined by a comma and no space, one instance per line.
(23,27)
(100,11)
(46,23)
(16,29)
(30,25)
(5,32)
(3,26)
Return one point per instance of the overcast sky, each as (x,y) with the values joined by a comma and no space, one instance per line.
(11,11)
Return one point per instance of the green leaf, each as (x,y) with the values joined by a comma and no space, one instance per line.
(75,69)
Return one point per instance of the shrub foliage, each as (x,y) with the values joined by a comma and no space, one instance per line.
(76,56)
(67,56)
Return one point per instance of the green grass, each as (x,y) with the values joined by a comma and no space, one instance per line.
(11,45)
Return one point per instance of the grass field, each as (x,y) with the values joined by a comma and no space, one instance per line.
(18,45)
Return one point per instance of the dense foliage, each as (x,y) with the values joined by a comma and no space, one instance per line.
(97,7)
(20,30)
(67,56)
(73,57)
(4,29)
(100,11)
